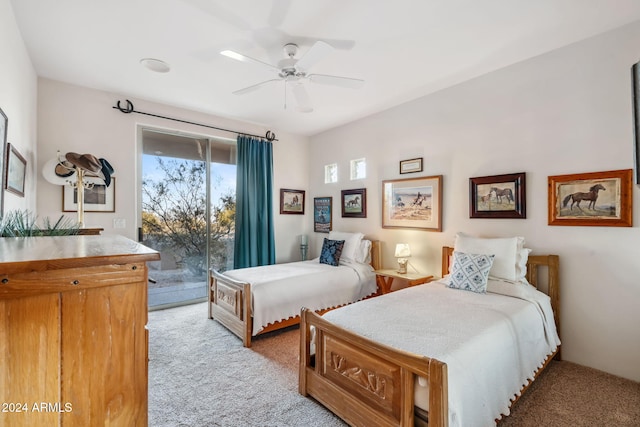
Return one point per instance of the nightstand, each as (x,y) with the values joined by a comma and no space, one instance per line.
(384,279)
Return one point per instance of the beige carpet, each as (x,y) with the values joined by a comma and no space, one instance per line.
(200,375)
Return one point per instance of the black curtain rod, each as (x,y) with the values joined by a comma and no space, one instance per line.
(269,136)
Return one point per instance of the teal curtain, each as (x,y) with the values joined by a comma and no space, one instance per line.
(254,235)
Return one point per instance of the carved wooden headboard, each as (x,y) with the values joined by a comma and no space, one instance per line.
(376,254)
(447,253)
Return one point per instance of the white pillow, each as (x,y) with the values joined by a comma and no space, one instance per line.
(470,271)
(505,249)
(363,254)
(521,265)
(351,243)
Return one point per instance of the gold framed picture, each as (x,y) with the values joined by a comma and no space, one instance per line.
(591,199)
(412,203)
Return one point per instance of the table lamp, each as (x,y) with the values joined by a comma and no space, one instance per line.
(402,253)
(304,245)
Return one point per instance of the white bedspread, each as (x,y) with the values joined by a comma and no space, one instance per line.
(492,343)
(279,291)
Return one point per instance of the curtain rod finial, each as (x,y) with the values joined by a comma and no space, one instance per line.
(128,109)
(270,136)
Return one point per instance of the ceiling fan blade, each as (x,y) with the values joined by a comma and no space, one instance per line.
(244,58)
(220,13)
(302,98)
(279,11)
(317,52)
(253,87)
(347,82)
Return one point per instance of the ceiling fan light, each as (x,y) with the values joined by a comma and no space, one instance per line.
(155,65)
(233,55)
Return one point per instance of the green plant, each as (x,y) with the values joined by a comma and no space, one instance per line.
(174,215)
(22,223)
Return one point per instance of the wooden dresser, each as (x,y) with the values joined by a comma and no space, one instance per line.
(73,337)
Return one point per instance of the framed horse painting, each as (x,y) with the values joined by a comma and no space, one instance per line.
(291,201)
(354,203)
(592,199)
(412,203)
(498,196)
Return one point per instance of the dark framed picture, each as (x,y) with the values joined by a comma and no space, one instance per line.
(4,122)
(411,165)
(635,79)
(322,214)
(291,201)
(97,196)
(354,203)
(498,196)
(412,203)
(592,199)
(15,171)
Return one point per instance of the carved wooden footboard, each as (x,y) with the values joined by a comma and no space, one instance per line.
(366,383)
(229,302)
(370,384)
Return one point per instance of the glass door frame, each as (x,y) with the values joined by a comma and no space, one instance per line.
(139,178)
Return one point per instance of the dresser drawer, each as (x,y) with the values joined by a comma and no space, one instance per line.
(16,285)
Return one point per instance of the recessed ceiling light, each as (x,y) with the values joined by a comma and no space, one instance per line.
(155,65)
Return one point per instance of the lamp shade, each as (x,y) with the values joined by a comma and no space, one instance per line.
(402,250)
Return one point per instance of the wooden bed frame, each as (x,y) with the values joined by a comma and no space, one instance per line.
(370,384)
(229,302)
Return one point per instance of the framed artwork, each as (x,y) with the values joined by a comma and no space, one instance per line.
(412,203)
(498,196)
(4,121)
(97,198)
(411,165)
(15,171)
(322,214)
(354,203)
(591,199)
(291,201)
(635,79)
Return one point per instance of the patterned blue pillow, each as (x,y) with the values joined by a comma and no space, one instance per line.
(331,251)
(470,271)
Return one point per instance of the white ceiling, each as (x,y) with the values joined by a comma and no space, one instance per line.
(403,49)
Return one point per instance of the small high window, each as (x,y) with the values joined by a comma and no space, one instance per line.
(331,173)
(358,169)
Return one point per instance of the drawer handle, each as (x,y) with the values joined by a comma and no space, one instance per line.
(75,282)
(5,280)
(135,267)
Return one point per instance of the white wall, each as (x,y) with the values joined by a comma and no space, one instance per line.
(18,91)
(46,116)
(568,111)
(82,120)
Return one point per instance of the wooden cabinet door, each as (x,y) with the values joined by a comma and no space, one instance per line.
(30,361)
(104,356)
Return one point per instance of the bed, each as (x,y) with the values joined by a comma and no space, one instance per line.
(257,300)
(371,378)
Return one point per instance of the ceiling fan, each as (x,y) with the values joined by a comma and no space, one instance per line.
(295,71)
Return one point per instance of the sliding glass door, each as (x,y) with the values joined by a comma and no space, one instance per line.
(187,213)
